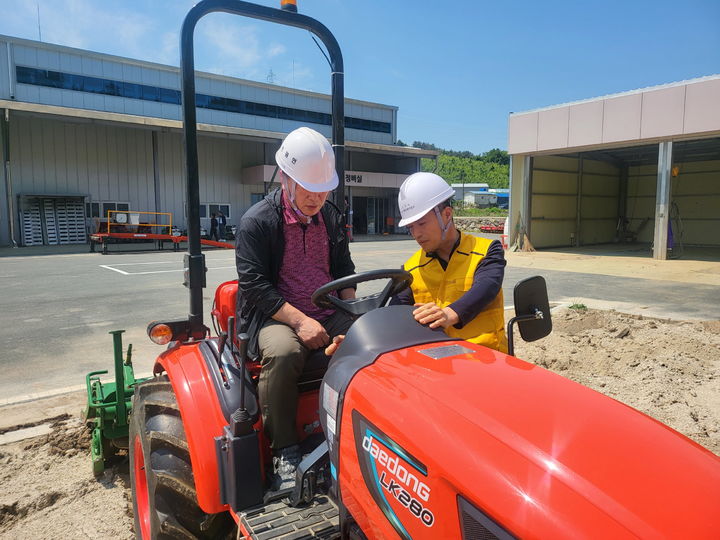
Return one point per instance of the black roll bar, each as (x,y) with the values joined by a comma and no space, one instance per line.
(194,259)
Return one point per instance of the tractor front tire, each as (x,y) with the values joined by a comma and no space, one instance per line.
(163,488)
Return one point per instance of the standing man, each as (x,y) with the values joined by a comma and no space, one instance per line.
(213,227)
(289,244)
(457,277)
(222,221)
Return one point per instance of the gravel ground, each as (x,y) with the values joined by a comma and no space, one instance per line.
(669,370)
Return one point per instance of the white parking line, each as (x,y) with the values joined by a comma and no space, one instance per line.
(123,272)
(139,263)
(114,269)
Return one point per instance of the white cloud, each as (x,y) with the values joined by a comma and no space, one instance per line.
(276,50)
(150,31)
(110,27)
(232,45)
(169,52)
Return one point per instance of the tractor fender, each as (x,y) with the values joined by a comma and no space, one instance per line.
(202,417)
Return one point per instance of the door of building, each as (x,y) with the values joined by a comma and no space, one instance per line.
(360,222)
(377,211)
(371,215)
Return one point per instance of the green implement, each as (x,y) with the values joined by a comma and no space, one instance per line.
(108,406)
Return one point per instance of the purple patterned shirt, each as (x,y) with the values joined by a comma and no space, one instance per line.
(306,261)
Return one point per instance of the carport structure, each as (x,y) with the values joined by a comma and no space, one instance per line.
(639,167)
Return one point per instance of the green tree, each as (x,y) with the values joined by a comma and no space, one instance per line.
(456,170)
(496,156)
(457,167)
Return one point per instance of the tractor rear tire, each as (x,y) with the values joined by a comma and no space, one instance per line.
(163,488)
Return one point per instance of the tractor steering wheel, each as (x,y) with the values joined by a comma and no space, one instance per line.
(399,281)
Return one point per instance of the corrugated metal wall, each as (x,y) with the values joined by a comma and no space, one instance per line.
(600,191)
(106,163)
(695,191)
(556,182)
(221,161)
(111,163)
(553,201)
(641,193)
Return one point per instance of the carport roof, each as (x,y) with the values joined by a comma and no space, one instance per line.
(680,110)
(626,93)
(683,152)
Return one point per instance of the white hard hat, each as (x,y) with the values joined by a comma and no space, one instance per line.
(420,193)
(307,157)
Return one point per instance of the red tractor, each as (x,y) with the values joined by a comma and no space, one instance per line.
(407,433)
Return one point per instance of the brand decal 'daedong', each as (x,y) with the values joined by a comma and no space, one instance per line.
(392,473)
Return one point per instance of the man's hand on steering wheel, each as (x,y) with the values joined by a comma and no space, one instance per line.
(347,294)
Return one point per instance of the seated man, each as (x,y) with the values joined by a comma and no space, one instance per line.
(457,277)
(289,244)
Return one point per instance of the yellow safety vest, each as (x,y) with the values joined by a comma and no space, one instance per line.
(443,287)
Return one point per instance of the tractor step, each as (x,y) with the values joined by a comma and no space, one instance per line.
(278,520)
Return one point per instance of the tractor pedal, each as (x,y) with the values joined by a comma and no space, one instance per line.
(271,496)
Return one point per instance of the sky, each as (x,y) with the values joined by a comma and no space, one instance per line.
(455,69)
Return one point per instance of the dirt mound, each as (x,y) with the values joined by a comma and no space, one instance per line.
(66,439)
(669,370)
(49,491)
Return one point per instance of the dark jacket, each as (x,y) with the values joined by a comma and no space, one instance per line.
(259,249)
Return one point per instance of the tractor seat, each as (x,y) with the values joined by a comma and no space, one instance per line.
(225,307)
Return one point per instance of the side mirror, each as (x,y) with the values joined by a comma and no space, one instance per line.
(532,311)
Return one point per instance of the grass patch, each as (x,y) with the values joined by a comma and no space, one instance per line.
(578,307)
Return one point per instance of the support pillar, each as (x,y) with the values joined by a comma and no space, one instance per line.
(526,208)
(156,171)
(7,173)
(620,233)
(662,200)
(578,204)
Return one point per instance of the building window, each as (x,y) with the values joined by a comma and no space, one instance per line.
(95,85)
(93,209)
(256,198)
(208,209)
(216,208)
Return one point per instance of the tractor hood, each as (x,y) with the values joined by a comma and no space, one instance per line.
(537,454)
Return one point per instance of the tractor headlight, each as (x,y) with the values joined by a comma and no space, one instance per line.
(160,333)
(164,332)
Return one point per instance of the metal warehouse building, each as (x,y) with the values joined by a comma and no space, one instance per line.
(638,167)
(82,133)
